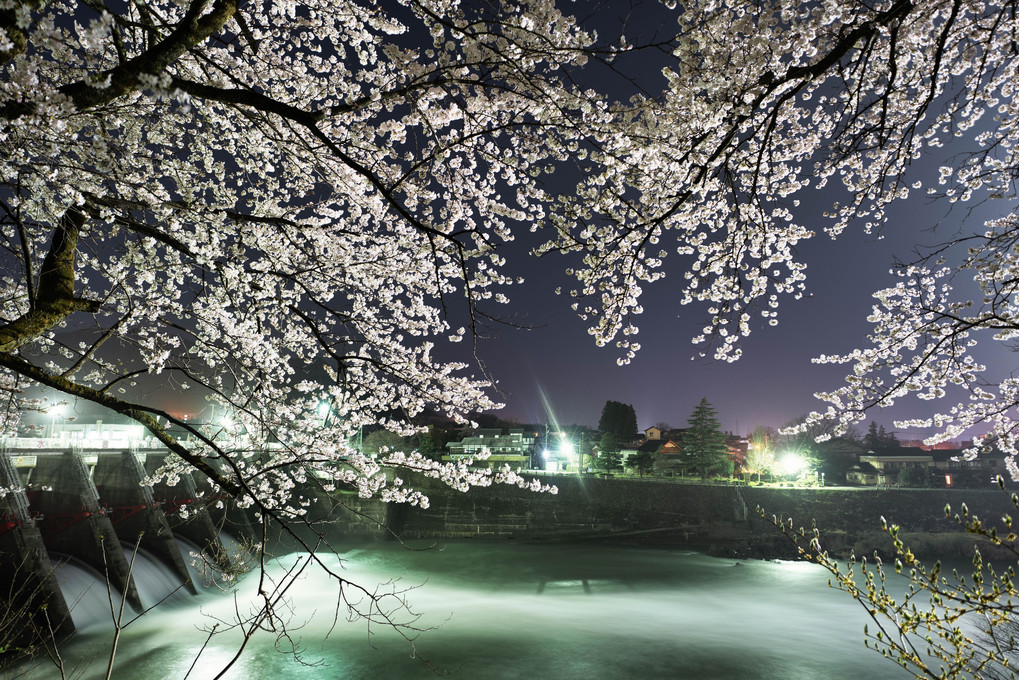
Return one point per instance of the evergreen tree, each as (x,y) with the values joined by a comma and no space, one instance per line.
(609,457)
(432,443)
(618,418)
(871,440)
(643,462)
(704,442)
(879,438)
(888,439)
(630,421)
(608,421)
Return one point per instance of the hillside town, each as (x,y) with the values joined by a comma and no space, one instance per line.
(701,452)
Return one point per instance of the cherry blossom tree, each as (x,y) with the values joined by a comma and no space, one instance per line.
(761,451)
(768,101)
(282,204)
(765,102)
(278,205)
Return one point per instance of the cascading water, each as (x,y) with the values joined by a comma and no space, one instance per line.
(192,556)
(203,568)
(156,582)
(85,591)
(231,545)
(502,610)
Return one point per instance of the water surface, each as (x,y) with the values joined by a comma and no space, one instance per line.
(498,610)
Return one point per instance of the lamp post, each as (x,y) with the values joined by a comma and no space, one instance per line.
(566,449)
(53,411)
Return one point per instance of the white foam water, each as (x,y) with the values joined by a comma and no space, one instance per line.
(501,610)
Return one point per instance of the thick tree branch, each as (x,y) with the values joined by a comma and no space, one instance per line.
(140,414)
(55,299)
(196,26)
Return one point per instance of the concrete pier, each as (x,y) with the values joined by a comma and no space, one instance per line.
(225,514)
(32,608)
(187,514)
(73,521)
(134,512)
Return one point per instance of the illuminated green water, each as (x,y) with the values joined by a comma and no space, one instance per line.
(503,610)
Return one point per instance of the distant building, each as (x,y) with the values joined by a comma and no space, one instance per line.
(737,450)
(668,455)
(667,447)
(94,435)
(881,468)
(654,433)
(941,446)
(513,448)
(957,471)
(947,467)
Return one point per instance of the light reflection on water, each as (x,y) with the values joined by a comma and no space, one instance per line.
(506,610)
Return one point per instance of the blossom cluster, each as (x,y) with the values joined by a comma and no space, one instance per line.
(290,205)
(282,206)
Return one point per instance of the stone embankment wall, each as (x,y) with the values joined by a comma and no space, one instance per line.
(720,517)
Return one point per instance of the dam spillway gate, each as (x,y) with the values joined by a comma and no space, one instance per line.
(91,505)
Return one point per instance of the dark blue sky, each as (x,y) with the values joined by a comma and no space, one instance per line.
(772,384)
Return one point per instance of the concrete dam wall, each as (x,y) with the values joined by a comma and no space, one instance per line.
(90,506)
(722,517)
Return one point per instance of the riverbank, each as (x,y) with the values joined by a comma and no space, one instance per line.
(721,519)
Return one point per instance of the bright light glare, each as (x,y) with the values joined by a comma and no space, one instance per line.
(791,464)
(545,453)
(566,448)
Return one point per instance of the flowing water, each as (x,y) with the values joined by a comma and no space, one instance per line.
(498,610)
(157,584)
(85,590)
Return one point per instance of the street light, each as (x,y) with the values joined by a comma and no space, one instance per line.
(791,464)
(566,449)
(54,410)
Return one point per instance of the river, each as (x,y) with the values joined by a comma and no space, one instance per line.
(506,610)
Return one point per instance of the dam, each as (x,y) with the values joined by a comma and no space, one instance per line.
(89,504)
(66,499)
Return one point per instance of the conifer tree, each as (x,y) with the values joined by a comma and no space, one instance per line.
(618,418)
(609,457)
(704,442)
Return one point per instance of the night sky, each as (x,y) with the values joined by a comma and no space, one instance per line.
(555,373)
(557,362)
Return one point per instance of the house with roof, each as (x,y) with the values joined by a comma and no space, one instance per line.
(668,455)
(947,467)
(953,469)
(669,445)
(737,449)
(658,434)
(513,448)
(881,468)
